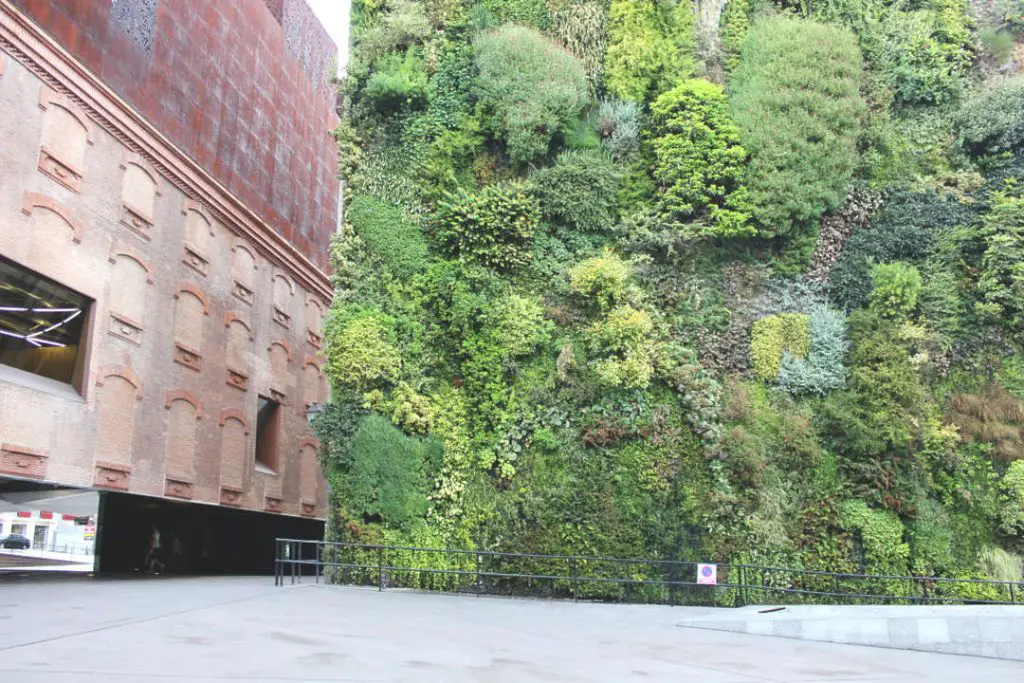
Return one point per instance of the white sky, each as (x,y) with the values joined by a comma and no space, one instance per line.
(333,14)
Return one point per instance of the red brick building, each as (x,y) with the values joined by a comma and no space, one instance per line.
(168,190)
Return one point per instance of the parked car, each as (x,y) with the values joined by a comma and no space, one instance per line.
(15,541)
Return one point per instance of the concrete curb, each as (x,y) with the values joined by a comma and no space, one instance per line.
(995,631)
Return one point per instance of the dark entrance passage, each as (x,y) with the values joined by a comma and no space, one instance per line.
(194,538)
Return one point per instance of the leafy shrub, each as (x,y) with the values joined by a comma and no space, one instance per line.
(650,45)
(389,234)
(902,231)
(881,535)
(405,407)
(578,192)
(582,27)
(388,480)
(1011,511)
(602,278)
(931,540)
(451,84)
(699,160)
(880,410)
(823,369)
(492,227)
(533,88)
(618,122)
(521,326)
(895,288)
(923,54)
(795,98)
(447,164)
(622,340)
(398,82)
(1001,282)
(775,335)
(529,12)
(403,25)
(733,26)
(582,136)
(361,353)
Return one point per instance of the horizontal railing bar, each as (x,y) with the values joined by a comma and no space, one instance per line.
(796,579)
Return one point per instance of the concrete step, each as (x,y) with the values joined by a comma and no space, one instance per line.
(995,631)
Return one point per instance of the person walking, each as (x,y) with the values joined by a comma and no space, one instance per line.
(154,565)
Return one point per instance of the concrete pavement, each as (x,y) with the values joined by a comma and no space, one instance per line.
(207,630)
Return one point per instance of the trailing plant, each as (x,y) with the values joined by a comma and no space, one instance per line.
(582,27)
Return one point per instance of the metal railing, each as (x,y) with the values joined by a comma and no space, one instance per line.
(615,579)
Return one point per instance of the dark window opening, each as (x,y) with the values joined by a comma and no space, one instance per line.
(268,429)
(42,324)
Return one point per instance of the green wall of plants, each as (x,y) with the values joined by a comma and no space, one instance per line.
(616,282)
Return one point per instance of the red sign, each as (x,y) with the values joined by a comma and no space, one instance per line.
(24,514)
(69,518)
(45,515)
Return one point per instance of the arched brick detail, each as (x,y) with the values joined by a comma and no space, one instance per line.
(184,395)
(124,373)
(193,205)
(48,97)
(121,249)
(192,289)
(31,200)
(130,157)
(312,298)
(247,248)
(232,317)
(309,441)
(284,345)
(287,281)
(233,414)
(311,360)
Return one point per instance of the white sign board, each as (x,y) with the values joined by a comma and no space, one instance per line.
(707,574)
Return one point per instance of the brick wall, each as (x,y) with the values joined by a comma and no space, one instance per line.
(241,85)
(190,325)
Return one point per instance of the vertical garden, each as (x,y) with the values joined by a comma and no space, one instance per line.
(735,280)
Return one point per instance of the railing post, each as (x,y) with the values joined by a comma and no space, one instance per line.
(479,579)
(277,561)
(292,556)
(575,578)
(1013,598)
(380,568)
(316,567)
(741,577)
